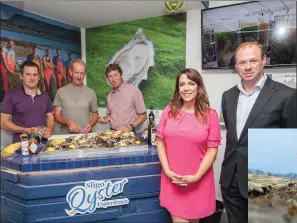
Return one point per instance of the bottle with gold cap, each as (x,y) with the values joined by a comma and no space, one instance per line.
(33,143)
(151,128)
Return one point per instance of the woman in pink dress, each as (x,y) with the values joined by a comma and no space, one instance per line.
(188,137)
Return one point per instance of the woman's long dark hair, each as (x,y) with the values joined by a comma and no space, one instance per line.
(201,102)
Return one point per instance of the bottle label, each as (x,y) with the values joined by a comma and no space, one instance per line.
(153,136)
(33,147)
(25,148)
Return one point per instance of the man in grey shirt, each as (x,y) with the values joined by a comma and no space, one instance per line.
(75,105)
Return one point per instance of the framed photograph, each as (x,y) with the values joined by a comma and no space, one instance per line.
(270,23)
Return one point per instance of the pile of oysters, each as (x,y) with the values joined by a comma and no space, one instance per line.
(107,139)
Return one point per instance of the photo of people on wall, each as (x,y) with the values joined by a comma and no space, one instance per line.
(50,44)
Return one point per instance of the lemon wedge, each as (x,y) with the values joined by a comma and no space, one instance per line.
(125,134)
(122,144)
(81,142)
(72,146)
(115,135)
(58,141)
(137,142)
(49,149)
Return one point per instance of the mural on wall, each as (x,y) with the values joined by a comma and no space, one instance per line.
(151,52)
(49,43)
(135,58)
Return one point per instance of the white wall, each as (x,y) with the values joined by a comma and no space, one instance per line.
(83,47)
(213,4)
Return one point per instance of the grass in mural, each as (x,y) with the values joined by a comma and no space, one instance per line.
(168,34)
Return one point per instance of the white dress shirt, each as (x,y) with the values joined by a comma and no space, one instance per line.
(246,102)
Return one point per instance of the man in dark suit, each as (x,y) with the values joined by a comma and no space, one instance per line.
(290,112)
(256,102)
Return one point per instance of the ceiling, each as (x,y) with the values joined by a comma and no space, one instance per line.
(94,13)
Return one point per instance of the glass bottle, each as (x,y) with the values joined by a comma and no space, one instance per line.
(33,143)
(25,144)
(151,116)
(151,128)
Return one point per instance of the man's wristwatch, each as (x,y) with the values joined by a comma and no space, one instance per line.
(133,127)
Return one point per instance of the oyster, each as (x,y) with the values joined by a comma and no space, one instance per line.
(272,199)
(106,139)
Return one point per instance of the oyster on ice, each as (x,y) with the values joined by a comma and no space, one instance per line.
(107,139)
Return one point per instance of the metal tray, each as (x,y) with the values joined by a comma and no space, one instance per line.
(87,152)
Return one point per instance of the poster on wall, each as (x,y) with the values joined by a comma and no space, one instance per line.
(151,52)
(49,43)
(287,79)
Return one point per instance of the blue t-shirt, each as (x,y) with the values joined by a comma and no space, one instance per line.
(9,51)
(57,59)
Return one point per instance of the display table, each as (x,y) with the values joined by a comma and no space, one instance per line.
(35,189)
(110,188)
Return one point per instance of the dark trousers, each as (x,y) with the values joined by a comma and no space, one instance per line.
(236,205)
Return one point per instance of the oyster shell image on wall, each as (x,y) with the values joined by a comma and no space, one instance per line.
(135,58)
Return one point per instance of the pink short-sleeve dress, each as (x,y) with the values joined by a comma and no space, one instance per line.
(187,141)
